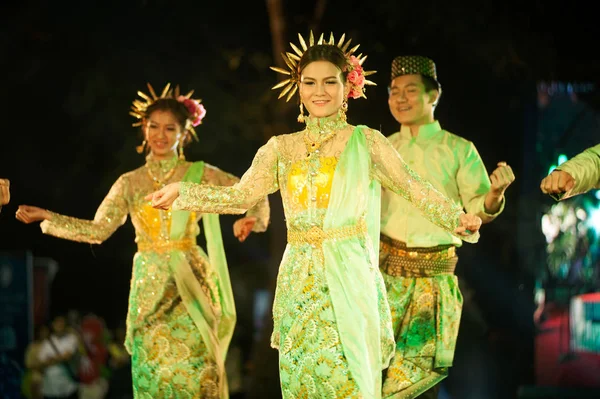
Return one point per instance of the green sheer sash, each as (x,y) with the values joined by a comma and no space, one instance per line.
(216,329)
(349,265)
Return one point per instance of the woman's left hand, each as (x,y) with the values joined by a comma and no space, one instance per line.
(164,198)
(469,224)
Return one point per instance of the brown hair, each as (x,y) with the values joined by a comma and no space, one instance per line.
(324,52)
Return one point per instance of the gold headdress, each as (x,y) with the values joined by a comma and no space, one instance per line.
(290,85)
(196,110)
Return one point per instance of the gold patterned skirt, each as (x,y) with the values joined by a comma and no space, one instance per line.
(169,357)
(312,364)
(425,316)
(311,360)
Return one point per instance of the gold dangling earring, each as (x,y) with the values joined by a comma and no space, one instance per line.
(181,155)
(343,110)
(140,148)
(301,116)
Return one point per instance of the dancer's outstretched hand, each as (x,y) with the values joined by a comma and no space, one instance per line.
(243,227)
(469,224)
(164,198)
(30,214)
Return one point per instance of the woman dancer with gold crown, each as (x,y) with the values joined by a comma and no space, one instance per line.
(181,312)
(332,323)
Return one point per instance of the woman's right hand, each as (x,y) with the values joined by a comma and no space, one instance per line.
(30,214)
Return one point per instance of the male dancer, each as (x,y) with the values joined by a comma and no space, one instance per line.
(417,257)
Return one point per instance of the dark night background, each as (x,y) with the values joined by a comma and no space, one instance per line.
(71,70)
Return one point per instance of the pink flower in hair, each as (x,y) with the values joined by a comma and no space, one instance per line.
(352,77)
(356,65)
(354,94)
(201,112)
(360,81)
(356,78)
(196,110)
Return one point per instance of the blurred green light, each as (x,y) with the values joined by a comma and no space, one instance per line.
(562,158)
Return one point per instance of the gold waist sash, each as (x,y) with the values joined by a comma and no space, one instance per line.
(316,235)
(161,247)
(395,259)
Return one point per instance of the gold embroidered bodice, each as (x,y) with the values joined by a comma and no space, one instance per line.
(305,182)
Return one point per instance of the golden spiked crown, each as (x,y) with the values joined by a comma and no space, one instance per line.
(139,108)
(290,85)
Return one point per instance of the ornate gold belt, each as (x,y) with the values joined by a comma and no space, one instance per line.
(316,235)
(161,247)
(447,253)
(398,261)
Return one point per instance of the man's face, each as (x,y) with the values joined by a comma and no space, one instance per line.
(409,101)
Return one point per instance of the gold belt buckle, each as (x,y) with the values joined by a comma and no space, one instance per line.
(315,235)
